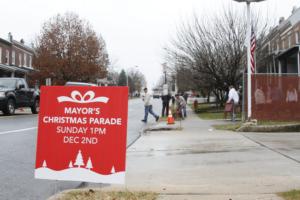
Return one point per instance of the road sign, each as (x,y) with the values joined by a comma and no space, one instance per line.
(82,134)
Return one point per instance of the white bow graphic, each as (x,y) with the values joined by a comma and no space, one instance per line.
(76,97)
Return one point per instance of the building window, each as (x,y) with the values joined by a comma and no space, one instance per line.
(297,37)
(7,57)
(271,49)
(20,60)
(277,46)
(282,44)
(30,61)
(0,55)
(25,59)
(13,57)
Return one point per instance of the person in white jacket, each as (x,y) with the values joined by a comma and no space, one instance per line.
(181,105)
(148,106)
(233,97)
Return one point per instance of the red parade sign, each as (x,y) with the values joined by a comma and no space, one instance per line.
(82,134)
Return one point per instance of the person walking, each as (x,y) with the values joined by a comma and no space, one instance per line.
(233,97)
(148,106)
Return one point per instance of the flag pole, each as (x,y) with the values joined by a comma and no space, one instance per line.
(243,102)
(248,61)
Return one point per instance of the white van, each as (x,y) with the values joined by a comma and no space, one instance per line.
(79,84)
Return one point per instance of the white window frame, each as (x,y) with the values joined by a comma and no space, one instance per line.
(0,55)
(297,37)
(13,58)
(20,60)
(25,59)
(7,57)
(30,61)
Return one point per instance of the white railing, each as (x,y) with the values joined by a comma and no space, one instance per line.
(200,99)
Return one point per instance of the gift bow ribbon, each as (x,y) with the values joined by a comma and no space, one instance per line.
(88,97)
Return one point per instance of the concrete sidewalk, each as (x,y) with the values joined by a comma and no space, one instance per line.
(198,162)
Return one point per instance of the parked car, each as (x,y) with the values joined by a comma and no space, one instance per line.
(79,84)
(156,94)
(15,93)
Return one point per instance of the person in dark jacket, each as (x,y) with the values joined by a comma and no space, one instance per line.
(185,96)
(165,104)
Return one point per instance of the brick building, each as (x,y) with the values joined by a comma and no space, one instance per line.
(276,85)
(281,48)
(15,58)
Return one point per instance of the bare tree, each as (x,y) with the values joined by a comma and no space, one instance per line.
(113,77)
(185,79)
(211,55)
(69,50)
(136,80)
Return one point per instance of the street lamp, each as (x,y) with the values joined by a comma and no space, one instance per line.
(165,71)
(248,52)
(250,1)
(127,75)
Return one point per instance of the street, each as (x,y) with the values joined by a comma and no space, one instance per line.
(17,154)
(228,69)
(18,146)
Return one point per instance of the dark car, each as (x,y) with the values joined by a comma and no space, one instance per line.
(15,93)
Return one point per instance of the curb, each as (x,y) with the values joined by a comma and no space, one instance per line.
(273,128)
(153,128)
(163,127)
(138,137)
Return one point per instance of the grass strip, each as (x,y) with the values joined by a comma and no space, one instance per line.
(227,127)
(211,115)
(290,195)
(97,194)
(269,122)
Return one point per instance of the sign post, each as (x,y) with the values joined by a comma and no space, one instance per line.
(82,134)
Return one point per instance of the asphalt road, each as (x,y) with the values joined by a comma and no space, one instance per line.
(17,158)
(18,135)
(136,114)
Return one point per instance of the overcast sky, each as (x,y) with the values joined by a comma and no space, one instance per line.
(135,31)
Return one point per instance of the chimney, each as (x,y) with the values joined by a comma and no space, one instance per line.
(281,19)
(294,9)
(10,37)
(22,41)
